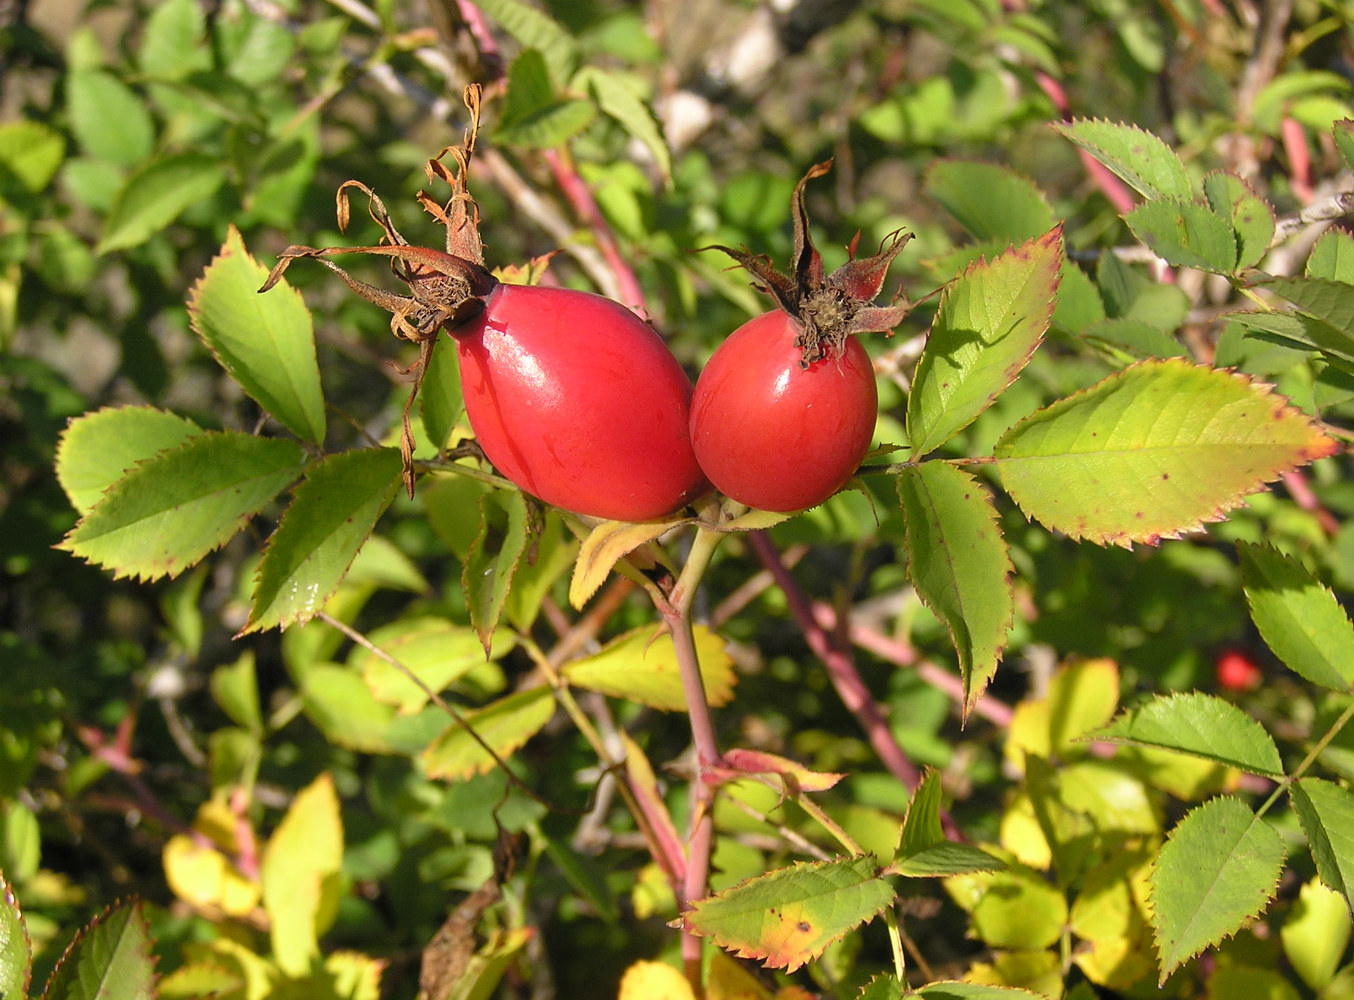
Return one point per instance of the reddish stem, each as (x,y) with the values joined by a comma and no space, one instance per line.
(841,667)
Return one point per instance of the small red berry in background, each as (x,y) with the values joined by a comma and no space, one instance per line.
(1237,672)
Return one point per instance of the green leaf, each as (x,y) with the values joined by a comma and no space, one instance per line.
(486,574)
(97,449)
(1299,332)
(342,707)
(16,951)
(641,666)
(505,725)
(1148,165)
(1326,812)
(788,917)
(1201,725)
(300,875)
(109,960)
(989,323)
(30,155)
(173,41)
(331,514)
(1153,451)
(1332,257)
(585,875)
(971,991)
(1330,302)
(173,509)
(1219,868)
(923,851)
(436,651)
(1186,234)
(156,193)
(535,30)
(1014,908)
(1343,131)
(265,342)
(606,545)
(618,96)
(109,119)
(960,565)
(439,397)
(1316,933)
(533,116)
(992,202)
(1251,217)
(1299,619)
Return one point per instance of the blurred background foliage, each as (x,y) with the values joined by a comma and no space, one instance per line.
(132,135)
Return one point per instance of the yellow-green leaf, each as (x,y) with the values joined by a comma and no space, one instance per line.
(641,666)
(505,725)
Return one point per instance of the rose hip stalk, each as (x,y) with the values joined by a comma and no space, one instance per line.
(785,409)
(570,395)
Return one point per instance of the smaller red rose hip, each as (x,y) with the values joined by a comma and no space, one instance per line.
(1237,672)
(785,409)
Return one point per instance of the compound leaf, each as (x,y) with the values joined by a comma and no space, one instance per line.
(97,449)
(789,916)
(1186,234)
(174,508)
(1219,868)
(156,193)
(1153,451)
(1144,161)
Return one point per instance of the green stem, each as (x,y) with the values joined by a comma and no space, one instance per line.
(896,944)
(1309,760)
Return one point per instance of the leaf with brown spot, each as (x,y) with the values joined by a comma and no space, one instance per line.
(789,916)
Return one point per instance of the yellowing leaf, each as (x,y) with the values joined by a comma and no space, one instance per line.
(300,870)
(504,725)
(604,547)
(202,876)
(1153,451)
(642,667)
(654,981)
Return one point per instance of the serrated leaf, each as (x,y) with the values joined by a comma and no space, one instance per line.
(156,193)
(960,565)
(505,725)
(434,650)
(1185,234)
(988,325)
(1299,332)
(991,201)
(923,851)
(265,342)
(16,951)
(1326,812)
(1144,161)
(789,916)
(1201,725)
(1343,132)
(1251,217)
(1299,619)
(1155,450)
(173,509)
(1332,257)
(549,126)
(1330,302)
(971,991)
(1219,868)
(109,960)
(97,449)
(331,514)
(619,100)
(486,574)
(536,30)
(642,666)
(300,874)
(606,545)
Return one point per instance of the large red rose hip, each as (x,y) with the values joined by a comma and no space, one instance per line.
(773,434)
(579,402)
(785,409)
